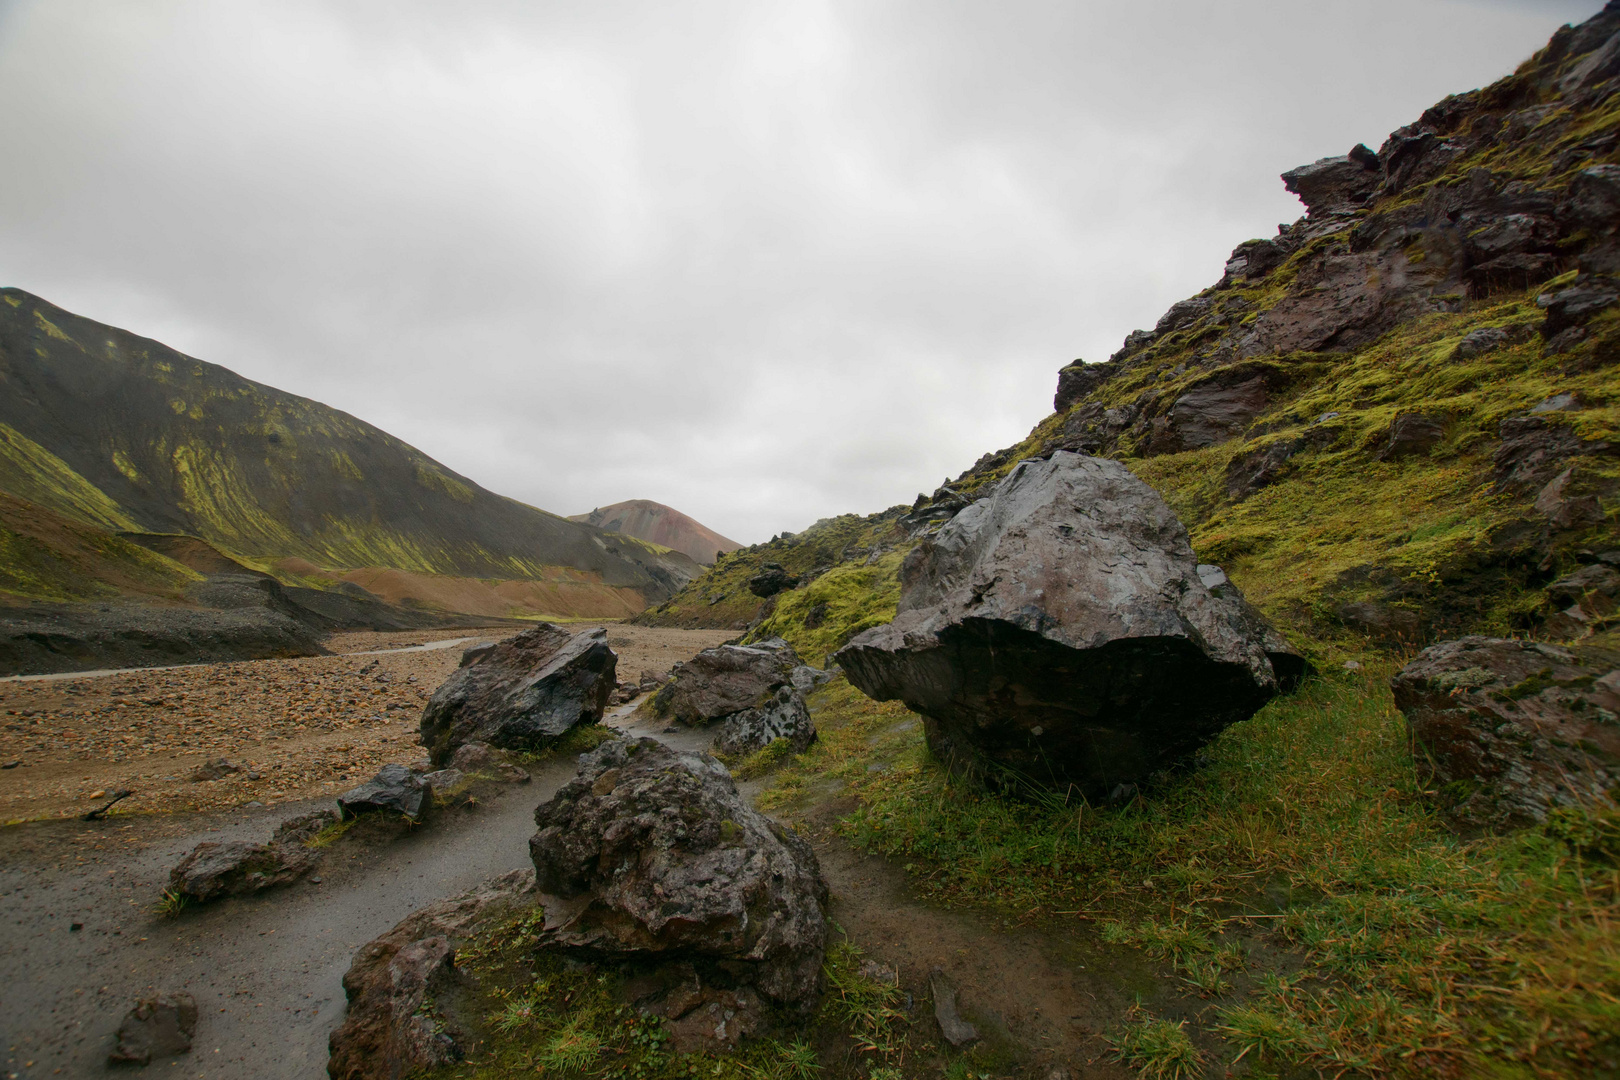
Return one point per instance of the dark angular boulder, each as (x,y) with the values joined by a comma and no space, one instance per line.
(1061,632)
(1079,380)
(156,1027)
(650,855)
(771,580)
(391,1028)
(1479,342)
(238,868)
(725,679)
(1510,730)
(394,790)
(522,694)
(1211,413)
(1578,304)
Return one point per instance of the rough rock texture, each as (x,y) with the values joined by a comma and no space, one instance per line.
(482,759)
(1063,631)
(1510,730)
(957,1032)
(771,580)
(238,868)
(523,693)
(650,854)
(390,1029)
(1412,435)
(726,679)
(394,790)
(784,716)
(156,1027)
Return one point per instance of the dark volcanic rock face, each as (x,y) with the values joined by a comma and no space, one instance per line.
(1511,730)
(523,693)
(651,855)
(1062,630)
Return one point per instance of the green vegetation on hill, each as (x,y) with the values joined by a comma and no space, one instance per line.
(124,434)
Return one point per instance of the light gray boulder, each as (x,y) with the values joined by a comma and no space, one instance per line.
(1062,633)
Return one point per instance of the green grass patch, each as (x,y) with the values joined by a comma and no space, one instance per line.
(1413,950)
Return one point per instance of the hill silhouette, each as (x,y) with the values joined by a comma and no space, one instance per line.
(660,524)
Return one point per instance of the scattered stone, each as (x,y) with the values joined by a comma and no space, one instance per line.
(305,827)
(526,692)
(395,789)
(1564,510)
(1412,435)
(880,973)
(784,716)
(771,580)
(651,855)
(1596,585)
(238,868)
(483,759)
(1079,380)
(1509,730)
(1060,633)
(1209,413)
(1383,622)
(156,1027)
(443,780)
(1352,665)
(1577,304)
(957,1032)
(700,1019)
(1565,402)
(10,765)
(391,1027)
(217,769)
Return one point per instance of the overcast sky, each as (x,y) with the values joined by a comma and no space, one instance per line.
(764,262)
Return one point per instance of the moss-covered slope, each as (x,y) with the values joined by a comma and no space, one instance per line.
(1396,419)
(123,433)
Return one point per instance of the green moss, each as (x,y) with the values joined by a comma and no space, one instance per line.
(32,472)
(845,601)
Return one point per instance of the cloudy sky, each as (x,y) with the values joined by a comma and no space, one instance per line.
(761,261)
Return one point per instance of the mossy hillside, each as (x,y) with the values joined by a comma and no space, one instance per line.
(122,432)
(45,556)
(849,544)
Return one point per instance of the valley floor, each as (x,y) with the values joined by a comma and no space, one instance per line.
(299,729)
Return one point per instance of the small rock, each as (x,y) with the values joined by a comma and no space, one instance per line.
(1352,665)
(784,716)
(297,830)
(443,780)
(238,868)
(483,759)
(1411,435)
(394,789)
(957,1032)
(1565,402)
(10,765)
(217,769)
(771,580)
(873,971)
(156,1026)
(1566,511)
(1478,342)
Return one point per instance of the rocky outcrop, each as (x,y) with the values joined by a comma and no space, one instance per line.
(1508,731)
(650,855)
(156,1027)
(771,580)
(394,790)
(391,1029)
(523,693)
(1062,633)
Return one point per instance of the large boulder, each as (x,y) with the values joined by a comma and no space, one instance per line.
(753,693)
(650,855)
(725,679)
(392,1028)
(213,870)
(1508,731)
(1062,633)
(523,693)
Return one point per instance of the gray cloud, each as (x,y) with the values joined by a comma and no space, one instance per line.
(761,262)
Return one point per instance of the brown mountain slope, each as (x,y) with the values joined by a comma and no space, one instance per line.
(660,524)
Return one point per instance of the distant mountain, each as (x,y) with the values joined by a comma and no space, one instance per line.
(129,436)
(660,524)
